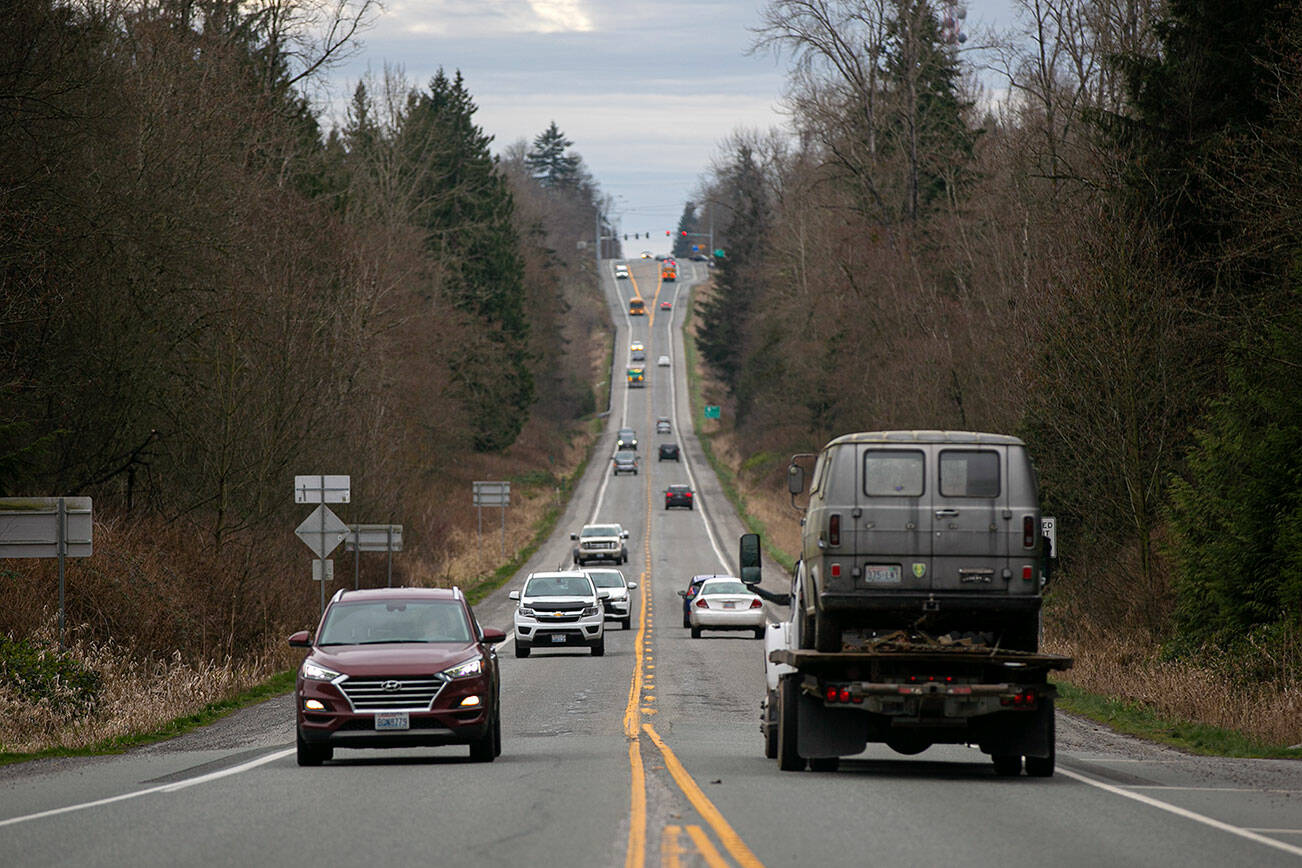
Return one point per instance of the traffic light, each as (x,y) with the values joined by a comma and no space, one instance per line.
(684,233)
(626,236)
(668,233)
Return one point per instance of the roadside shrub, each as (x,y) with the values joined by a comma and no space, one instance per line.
(40,675)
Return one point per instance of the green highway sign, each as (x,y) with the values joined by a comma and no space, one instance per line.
(712,411)
(718,254)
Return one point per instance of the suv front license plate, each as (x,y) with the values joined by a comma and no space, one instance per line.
(558,638)
(392,720)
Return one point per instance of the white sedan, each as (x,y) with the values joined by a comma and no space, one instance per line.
(726,604)
(663,361)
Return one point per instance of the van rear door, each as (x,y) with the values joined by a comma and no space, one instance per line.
(970,523)
(894,530)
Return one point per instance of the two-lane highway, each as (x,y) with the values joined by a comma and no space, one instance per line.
(649,755)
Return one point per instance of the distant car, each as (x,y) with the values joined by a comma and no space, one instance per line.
(398,667)
(646,254)
(664,426)
(660,257)
(637,356)
(625,462)
(666,305)
(724,603)
(600,542)
(626,439)
(693,586)
(668,452)
(663,361)
(619,605)
(678,495)
(621,272)
(636,345)
(700,257)
(556,609)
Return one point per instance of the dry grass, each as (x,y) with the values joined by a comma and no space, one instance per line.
(1124,668)
(139,695)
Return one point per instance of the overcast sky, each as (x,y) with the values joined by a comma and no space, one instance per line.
(646,90)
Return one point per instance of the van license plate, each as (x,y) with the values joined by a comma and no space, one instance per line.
(392,720)
(882,574)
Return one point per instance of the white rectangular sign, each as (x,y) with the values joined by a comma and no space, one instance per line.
(320,568)
(29,527)
(492,493)
(322,489)
(374,538)
(1049,528)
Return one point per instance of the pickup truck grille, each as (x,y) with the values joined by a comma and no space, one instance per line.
(593,546)
(391,694)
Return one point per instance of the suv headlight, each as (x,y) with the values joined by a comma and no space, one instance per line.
(317,672)
(464,670)
(526,612)
(589,611)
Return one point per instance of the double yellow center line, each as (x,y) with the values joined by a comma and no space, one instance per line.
(641,705)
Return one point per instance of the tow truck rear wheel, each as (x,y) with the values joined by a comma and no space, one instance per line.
(1042,766)
(824,763)
(827,634)
(789,759)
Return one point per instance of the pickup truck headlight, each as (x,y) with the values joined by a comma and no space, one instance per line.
(589,611)
(526,612)
(465,670)
(317,672)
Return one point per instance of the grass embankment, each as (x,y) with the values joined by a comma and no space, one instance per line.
(1119,682)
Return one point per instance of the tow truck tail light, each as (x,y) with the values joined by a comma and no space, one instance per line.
(835,571)
(1027,573)
(1023,699)
(1028,531)
(834,529)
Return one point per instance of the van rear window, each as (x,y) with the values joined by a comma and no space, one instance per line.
(966,473)
(893,473)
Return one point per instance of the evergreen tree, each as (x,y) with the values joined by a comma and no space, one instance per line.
(466,213)
(686,223)
(549,163)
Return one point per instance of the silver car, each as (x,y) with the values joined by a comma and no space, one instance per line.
(619,605)
(625,461)
(724,603)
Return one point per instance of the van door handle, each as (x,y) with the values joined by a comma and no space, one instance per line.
(946,513)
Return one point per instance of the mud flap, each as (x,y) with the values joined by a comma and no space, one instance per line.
(1017,732)
(829,732)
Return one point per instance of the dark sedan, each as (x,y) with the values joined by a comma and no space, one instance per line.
(678,495)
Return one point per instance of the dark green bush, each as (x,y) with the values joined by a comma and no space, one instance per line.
(39,674)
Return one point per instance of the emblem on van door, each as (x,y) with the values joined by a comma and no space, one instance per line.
(919,570)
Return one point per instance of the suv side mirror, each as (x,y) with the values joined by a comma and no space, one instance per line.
(632,586)
(493,636)
(795,478)
(623,534)
(574,536)
(603,595)
(301,639)
(514,595)
(748,558)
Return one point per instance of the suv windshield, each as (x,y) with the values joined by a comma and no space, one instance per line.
(607,578)
(373,622)
(558,586)
(600,530)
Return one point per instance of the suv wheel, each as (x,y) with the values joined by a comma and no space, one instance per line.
(599,649)
(312,754)
(627,623)
(484,749)
(521,649)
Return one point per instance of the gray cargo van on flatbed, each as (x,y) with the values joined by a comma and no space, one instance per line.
(933,530)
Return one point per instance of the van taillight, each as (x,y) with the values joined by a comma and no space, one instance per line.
(834,530)
(1028,531)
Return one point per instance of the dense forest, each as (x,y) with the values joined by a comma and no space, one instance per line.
(206,288)
(1102,256)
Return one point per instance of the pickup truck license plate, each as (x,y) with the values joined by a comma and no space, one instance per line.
(392,720)
(881,574)
(558,638)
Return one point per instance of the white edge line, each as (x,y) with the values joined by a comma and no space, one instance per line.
(162,788)
(1184,812)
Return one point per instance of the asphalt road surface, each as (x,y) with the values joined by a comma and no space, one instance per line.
(650,755)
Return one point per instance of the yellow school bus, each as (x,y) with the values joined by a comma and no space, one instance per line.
(636,307)
(668,271)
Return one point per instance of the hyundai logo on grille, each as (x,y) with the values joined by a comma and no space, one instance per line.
(391,686)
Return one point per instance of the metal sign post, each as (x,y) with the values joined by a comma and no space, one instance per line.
(372,538)
(47,527)
(322,488)
(493,494)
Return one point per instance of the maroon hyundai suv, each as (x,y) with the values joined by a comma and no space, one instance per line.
(398,667)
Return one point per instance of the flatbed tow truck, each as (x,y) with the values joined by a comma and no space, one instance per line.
(909,691)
